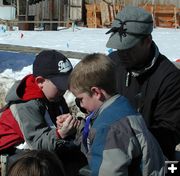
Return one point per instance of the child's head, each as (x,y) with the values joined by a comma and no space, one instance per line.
(37,163)
(93,80)
(52,69)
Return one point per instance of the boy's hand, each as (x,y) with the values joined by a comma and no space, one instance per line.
(66,125)
(60,119)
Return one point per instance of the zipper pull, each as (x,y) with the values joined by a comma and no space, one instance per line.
(127,79)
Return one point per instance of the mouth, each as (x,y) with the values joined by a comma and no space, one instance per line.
(126,63)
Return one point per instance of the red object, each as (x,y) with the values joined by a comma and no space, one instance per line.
(28,89)
(10,133)
(57,134)
(178,60)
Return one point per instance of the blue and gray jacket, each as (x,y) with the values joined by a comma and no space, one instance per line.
(120,143)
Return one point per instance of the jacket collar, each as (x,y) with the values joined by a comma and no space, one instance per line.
(150,65)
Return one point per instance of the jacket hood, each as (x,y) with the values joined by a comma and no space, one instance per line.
(24,90)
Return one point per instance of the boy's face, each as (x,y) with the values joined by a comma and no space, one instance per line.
(89,102)
(50,91)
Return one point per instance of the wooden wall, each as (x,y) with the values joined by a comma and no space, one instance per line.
(65,11)
(136,2)
(75,10)
(102,13)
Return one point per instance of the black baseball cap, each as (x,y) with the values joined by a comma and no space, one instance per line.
(53,65)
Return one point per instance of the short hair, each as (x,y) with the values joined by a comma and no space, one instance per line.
(37,163)
(94,70)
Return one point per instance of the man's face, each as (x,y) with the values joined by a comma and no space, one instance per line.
(136,57)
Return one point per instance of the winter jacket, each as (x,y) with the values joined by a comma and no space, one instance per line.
(154,92)
(120,143)
(29,117)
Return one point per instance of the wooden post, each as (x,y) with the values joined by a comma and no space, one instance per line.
(175,18)
(68,10)
(62,11)
(95,18)
(42,13)
(17,7)
(114,9)
(105,13)
(51,14)
(59,11)
(27,10)
(37,14)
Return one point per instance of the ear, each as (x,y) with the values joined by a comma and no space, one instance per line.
(98,93)
(40,81)
(95,91)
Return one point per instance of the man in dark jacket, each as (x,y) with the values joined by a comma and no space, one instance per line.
(146,77)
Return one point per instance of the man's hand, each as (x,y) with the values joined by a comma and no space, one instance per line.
(66,125)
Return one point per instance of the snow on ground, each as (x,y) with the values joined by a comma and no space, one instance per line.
(86,40)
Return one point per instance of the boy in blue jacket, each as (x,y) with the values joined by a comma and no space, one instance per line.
(115,138)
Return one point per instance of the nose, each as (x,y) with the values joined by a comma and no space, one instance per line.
(81,104)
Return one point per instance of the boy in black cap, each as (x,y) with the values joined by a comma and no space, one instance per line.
(145,76)
(33,105)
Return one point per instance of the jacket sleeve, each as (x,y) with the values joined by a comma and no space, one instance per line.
(37,133)
(166,123)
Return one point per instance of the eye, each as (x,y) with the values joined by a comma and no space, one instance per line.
(79,99)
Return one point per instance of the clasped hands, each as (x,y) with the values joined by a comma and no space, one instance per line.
(67,125)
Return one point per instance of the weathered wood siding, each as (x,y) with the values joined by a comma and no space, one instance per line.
(66,11)
(75,9)
(136,2)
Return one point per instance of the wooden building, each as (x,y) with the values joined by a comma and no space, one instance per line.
(166,13)
(51,14)
(7,10)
